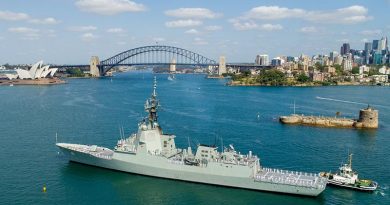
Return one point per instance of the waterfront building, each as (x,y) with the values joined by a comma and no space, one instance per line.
(317,76)
(262,60)
(380,78)
(384,70)
(36,71)
(330,69)
(338,60)
(364,69)
(347,63)
(345,49)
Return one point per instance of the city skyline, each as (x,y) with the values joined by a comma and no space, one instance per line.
(73,31)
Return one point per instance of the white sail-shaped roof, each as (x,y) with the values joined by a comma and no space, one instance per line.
(23,74)
(34,68)
(11,76)
(39,72)
(53,71)
(45,71)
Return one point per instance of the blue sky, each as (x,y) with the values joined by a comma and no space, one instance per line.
(71,31)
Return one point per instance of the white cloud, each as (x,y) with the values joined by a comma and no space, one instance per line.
(48,20)
(270,27)
(12,16)
(241,26)
(194,13)
(183,23)
(22,30)
(375,32)
(192,31)
(213,28)
(273,12)
(115,30)
(109,7)
(348,15)
(200,41)
(26,33)
(251,25)
(309,29)
(88,37)
(82,28)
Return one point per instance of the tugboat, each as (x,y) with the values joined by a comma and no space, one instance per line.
(347,178)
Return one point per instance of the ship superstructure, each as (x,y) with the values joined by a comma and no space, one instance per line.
(151,152)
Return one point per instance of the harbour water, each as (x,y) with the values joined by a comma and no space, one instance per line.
(91,111)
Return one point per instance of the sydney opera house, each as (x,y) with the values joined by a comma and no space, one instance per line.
(37,71)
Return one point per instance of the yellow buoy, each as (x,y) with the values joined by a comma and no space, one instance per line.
(44,189)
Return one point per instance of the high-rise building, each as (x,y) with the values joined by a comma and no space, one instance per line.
(332,55)
(375,44)
(377,58)
(347,62)
(367,52)
(262,60)
(276,61)
(382,44)
(345,49)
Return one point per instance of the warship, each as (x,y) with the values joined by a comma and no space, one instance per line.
(151,152)
(348,178)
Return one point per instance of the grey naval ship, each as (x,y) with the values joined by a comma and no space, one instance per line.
(150,152)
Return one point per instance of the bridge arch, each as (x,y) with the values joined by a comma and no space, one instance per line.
(155,55)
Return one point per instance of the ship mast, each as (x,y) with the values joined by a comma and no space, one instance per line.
(151,106)
(350,160)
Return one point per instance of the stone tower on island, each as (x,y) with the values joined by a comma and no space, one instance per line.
(368,118)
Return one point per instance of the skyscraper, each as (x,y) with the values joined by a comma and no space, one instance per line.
(262,60)
(375,44)
(382,44)
(345,49)
(367,52)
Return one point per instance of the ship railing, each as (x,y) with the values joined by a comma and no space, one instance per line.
(86,150)
(176,161)
(293,178)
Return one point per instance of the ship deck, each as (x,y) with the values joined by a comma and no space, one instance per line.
(293,178)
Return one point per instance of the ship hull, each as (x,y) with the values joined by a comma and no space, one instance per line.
(350,186)
(155,166)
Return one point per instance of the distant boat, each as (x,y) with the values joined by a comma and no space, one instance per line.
(11,85)
(171,77)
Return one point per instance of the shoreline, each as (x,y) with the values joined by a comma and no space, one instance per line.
(42,81)
(299,85)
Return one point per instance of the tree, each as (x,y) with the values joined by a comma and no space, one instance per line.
(373,71)
(319,67)
(272,77)
(355,70)
(302,78)
(339,69)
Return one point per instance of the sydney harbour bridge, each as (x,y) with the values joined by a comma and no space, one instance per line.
(154,55)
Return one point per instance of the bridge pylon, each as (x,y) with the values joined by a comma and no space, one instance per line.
(94,66)
(222,65)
